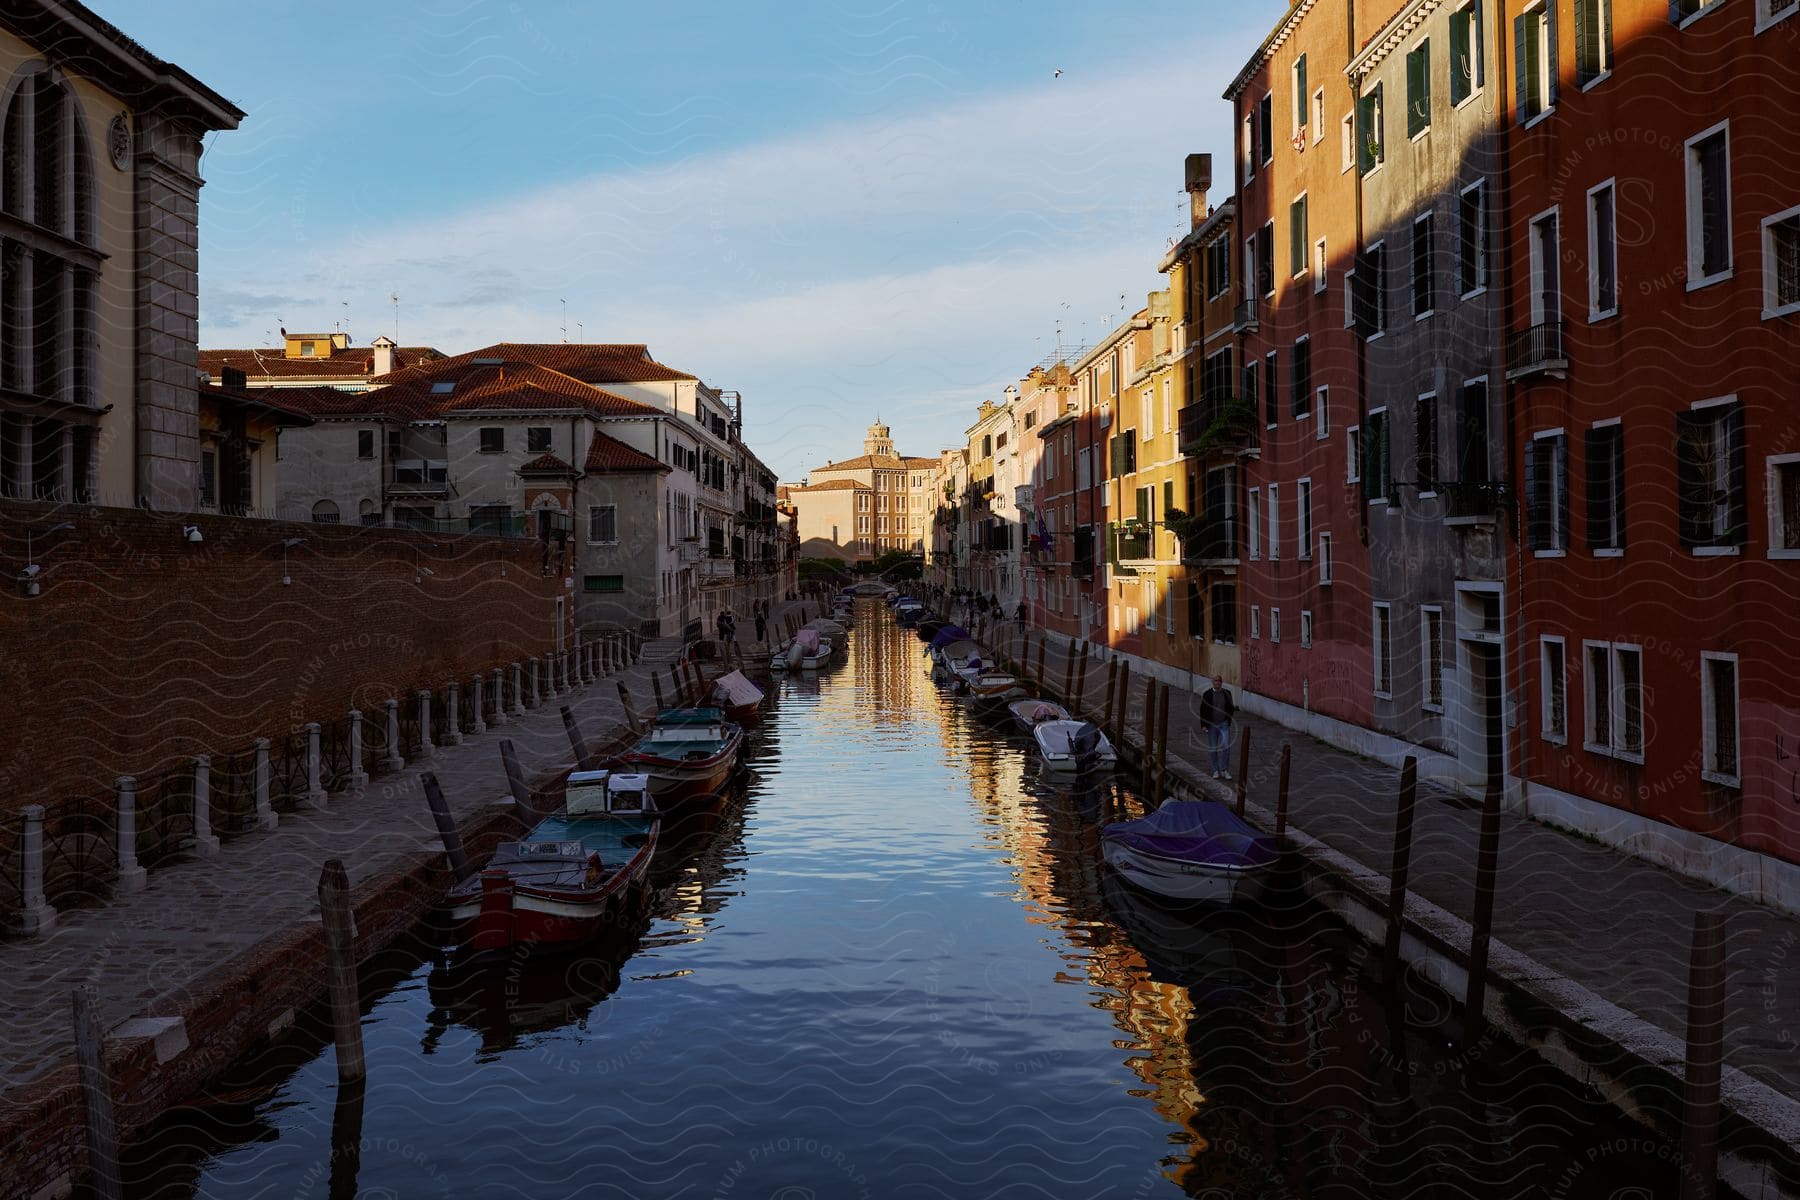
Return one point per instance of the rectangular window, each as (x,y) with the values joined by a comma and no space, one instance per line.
(1681,10)
(1425,442)
(1353,451)
(1274,520)
(1368,293)
(1553,708)
(1546,269)
(1297,239)
(1347,142)
(1781,263)
(1784,506)
(1603,253)
(603,583)
(537,439)
(1306,632)
(603,524)
(1471,240)
(1255,514)
(1265,259)
(1719,718)
(1274,624)
(1534,57)
(1382,645)
(1709,205)
(1770,11)
(1322,412)
(1321,275)
(1271,391)
(1250,145)
(1303,518)
(1252,370)
(1418,89)
(1299,96)
(365,443)
(209,477)
(1325,577)
(1371,148)
(1224,613)
(1547,493)
(1424,277)
(1606,487)
(1466,65)
(1265,121)
(1255,622)
(1471,433)
(1377,460)
(1598,687)
(1431,656)
(1615,699)
(1318,116)
(1712,492)
(1628,671)
(493,439)
(1593,40)
(1301,381)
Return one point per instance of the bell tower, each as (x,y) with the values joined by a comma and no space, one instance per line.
(877,442)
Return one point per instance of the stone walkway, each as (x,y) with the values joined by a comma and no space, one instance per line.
(195,915)
(1616,925)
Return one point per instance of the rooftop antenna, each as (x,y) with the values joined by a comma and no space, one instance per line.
(344,325)
(394,299)
(580,332)
(565,320)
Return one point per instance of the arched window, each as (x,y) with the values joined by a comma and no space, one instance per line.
(367,513)
(325,513)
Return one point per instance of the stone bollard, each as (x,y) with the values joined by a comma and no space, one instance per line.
(392,760)
(206,843)
(359,778)
(35,914)
(549,692)
(453,715)
(531,693)
(264,817)
(518,682)
(315,785)
(425,747)
(479,724)
(132,877)
(570,677)
(499,698)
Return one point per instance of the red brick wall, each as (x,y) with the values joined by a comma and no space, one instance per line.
(144,648)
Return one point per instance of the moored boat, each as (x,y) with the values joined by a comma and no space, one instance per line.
(688,752)
(1072,747)
(578,872)
(1190,850)
(992,686)
(741,699)
(1030,713)
(806,652)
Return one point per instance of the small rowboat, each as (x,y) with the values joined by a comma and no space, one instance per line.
(1072,747)
(1031,713)
(807,652)
(992,685)
(574,875)
(1190,850)
(741,699)
(688,753)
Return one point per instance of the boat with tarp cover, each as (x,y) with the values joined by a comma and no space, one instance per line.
(1190,850)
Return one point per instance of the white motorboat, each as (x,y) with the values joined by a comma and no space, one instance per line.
(1072,747)
(1190,850)
(1031,713)
(807,652)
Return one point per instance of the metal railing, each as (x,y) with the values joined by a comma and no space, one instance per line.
(1211,540)
(1473,499)
(1244,316)
(1536,348)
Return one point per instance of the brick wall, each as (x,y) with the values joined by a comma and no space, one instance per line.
(143,648)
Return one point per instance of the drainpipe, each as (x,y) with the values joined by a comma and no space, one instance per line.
(1362,343)
(1503,131)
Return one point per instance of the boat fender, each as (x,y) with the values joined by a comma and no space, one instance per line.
(594,868)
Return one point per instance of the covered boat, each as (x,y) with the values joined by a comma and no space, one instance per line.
(1071,747)
(992,685)
(741,699)
(1030,713)
(1189,850)
(576,873)
(807,652)
(688,752)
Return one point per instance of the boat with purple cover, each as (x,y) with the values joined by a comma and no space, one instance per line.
(1190,850)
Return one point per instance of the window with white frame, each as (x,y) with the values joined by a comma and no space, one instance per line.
(1255,514)
(1606,487)
(1168,401)
(1297,239)
(1431,657)
(1371,123)
(603,524)
(1553,694)
(1353,454)
(1303,518)
(1321,274)
(1471,240)
(1381,643)
(1615,699)
(1274,532)
(1306,628)
(1547,492)
(1148,422)
(1770,11)
(1255,622)
(1274,624)
(1719,717)
(1603,251)
(1781,262)
(1784,505)
(1265,128)
(1418,88)
(1709,205)
(1322,412)
(1250,145)
(1324,559)
(1682,11)
(1424,273)
(1318,116)
(1299,95)
(1546,268)
(1149,603)
(1467,69)
(1712,493)
(1347,141)
(1534,34)
(1593,40)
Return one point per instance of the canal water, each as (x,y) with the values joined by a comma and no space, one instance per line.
(898,968)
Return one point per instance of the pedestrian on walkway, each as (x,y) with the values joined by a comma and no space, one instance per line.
(726,624)
(1020,615)
(762,627)
(1216,711)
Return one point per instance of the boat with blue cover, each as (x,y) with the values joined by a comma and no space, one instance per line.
(1190,850)
(687,752)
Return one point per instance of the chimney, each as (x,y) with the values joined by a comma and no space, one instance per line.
(1199,178)
(383,347)
(233,377)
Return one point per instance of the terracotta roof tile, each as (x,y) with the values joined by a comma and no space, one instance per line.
(590,363)
(458,386)
(357,362)
(884,462)
(546,464)
(610,454)
(833,485)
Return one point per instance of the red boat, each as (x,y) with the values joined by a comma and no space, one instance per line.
(574,875)
(689,752)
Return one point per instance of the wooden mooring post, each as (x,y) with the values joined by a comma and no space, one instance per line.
(1162,748)
(1124,704)
(576,742)
(1399,868)
(446,827)
(1705,1058)
(340,966)
(1487,871)
(96,1095)
(1149,735)
(1080,703)
(1243,773)
(656,687)
(1112,685)
(1281,792)
(515,782)
(1040,661)
(631,717)
(1068,690)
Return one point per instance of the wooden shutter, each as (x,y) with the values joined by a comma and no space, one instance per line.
(1552,70)
(1462,70)
(1584,67)
(1560,461)
(1418,89)
(1537,497)
(1599,490)
(1691,430)
(1271,390)
(1365,133)
(1522,68)
(1737,476)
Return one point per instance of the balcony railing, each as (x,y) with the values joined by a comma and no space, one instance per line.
(1473,499)
(1217,424)
(1244,318)
(1212,541)
(1133,543)
(1536,349)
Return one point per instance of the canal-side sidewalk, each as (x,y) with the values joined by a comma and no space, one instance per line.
(1616,926)
(145,951)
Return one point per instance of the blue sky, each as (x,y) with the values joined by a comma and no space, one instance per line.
(833,208)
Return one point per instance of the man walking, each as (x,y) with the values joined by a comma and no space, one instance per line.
(1216,710)
(762,626)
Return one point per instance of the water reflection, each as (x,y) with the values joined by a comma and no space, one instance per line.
(895,964)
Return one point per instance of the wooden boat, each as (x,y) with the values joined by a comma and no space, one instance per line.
(992,686)
(1072,747)
(741,699)
(1030,713)
(806,652)
(689,752)
(1190,850)
(576,874)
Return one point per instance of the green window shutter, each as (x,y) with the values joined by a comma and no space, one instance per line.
(1552,69)
(1418,89)
(1522,68)
(1737,477)
(1599,489)
(1297,236)
(1691,434)
(1584,67)
(1606,27)
(1301,99)
(1365,133)
(1461,84)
